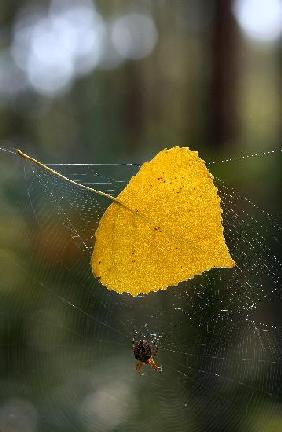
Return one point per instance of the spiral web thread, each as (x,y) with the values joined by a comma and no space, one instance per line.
(219,347)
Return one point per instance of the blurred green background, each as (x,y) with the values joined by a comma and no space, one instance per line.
(115,81)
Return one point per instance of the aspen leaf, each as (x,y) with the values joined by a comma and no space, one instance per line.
(168,229)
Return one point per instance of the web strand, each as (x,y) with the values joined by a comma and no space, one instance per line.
(221,353)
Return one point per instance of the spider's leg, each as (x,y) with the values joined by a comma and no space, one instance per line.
(153,365)
(139,367)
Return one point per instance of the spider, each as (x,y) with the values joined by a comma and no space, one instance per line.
(144,353)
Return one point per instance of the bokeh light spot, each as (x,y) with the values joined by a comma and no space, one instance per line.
(53,47)
(261,20)
(134,35)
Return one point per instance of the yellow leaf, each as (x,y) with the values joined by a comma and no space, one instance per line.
(169,228)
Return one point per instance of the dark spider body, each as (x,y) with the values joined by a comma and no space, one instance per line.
(144,353)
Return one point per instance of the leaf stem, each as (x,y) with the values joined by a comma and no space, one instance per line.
(62,177)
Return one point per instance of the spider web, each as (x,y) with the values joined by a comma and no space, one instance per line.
(219,334)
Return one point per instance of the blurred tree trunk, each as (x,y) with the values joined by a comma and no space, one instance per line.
(223,120)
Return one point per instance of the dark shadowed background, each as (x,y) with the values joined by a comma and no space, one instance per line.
(105,85)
